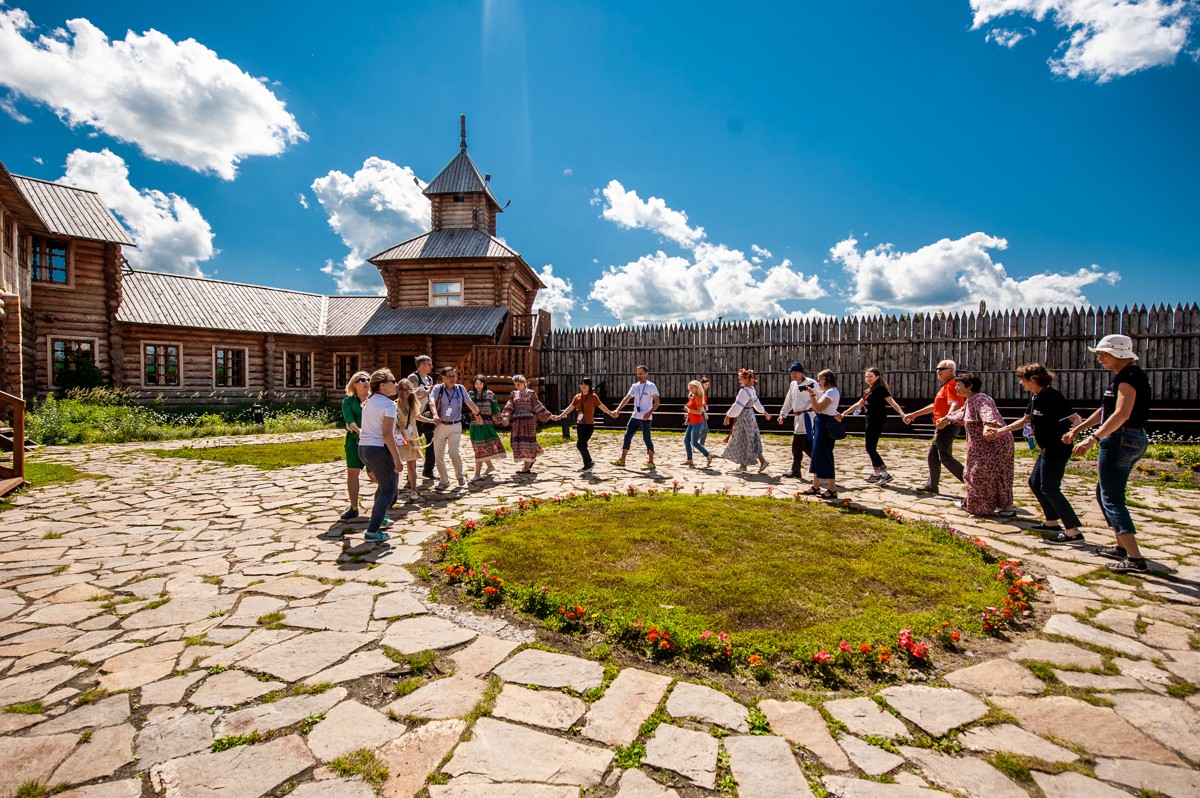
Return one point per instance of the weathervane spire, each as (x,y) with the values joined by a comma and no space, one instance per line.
(462,132)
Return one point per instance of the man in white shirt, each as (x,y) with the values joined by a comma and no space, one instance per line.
(644,395)
(798,403)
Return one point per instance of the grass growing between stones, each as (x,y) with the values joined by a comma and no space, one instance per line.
(267,456)
(780,575)
(362,763)
(40,475)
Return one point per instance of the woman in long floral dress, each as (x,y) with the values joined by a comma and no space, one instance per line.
(988,472)
(523,410)
(745,442)
(485,441)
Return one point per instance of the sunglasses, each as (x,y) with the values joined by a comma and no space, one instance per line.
(943,368)
(363,379)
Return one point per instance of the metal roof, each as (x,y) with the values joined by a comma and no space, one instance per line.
(172,300)
(15,203)
(457,242)
(73,212)
(362,315)
(460,176)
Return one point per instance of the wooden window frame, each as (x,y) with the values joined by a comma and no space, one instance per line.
(287,355)
(69,245)
(462,287)
(245,367)
(50,339)
(339,384)
(179,365)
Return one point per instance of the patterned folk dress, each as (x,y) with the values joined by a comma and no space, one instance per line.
(484,438)
(745,442)
(525,410)
(988,472)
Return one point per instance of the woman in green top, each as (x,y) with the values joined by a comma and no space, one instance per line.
(357,391)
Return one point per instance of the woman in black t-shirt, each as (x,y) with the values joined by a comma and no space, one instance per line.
(876,399)
(1050,415)
(1122,438)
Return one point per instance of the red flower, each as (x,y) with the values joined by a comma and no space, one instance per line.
(865,648)
(491,591)
(707,633)
(822,657)
(844,646)
(919,651)
(955,636)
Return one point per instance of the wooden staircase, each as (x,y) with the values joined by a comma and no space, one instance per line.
(517,351)
(13,439)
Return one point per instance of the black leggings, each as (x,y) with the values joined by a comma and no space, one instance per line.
(584,434)
(874,431)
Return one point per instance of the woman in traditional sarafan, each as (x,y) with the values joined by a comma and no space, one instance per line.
(523,411)
(988,472)
(485,441)
(745,442)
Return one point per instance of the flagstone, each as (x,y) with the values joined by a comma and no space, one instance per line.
(125,788)
(1185,665)
(870,759)
(33,661)
(333,788)
(25,759)
(457,788)
(1068,626)
(244,770)
(11,722)
(398,605)
(173,733)
(765,767)
(1098,681)
(277,714)
(626,704)
(1098,730)
(863,717)
(413,635)
(1168,720)
(179,611)
(107,750)
(34,685)
(140,666)
(482,655)
(844,787)
(971,777)
(451,697)
(229,689)
(169,691)
(290,587)
(348,726)
(298,657)
(689,753)
(544,708)
(801,724)
(105,712)
(412,756)
(1064,655)
(499,751)
(689,700)
(64,613)
(104,652)
(636,784)
(1174,782)
(349,615)
(996,677)
(936,710)
(547,669)
(1014,740)
(1074,785)
(88,640)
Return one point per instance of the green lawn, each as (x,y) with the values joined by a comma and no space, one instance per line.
(39,475)
(780,575)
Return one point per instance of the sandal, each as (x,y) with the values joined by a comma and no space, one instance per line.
(1063,537)
(1130,565)
(813,491)
(1112,552)
(829,495)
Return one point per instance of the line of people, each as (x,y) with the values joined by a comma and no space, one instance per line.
(386,419)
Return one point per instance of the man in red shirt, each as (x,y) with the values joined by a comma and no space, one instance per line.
(941,449)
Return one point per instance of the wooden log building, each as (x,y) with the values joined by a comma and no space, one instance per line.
(457,293)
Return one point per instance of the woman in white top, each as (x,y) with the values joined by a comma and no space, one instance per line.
(377,448)
(745,443)
(825,399)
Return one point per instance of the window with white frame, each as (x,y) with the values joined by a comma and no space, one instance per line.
(160,365)
(344,366)
(297,369)
(445,293)
(50,261)
(229,367)
(66,355)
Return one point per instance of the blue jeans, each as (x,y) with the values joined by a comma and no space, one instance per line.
(631,429)
(691,437)
(379,460)
(1118,454)
(702,437)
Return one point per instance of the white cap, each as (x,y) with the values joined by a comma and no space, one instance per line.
(1119,346)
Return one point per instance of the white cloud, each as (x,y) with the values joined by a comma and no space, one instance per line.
(303,201)
(557,297)
(170,233)
(379,206)
(177,101)
(715,281)
(629,211)
(953,275)
(1006,37)
(568,171)
(1107,38)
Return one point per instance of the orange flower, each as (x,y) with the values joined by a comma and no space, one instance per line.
(755,659)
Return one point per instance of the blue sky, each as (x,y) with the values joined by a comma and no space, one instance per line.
(671,161)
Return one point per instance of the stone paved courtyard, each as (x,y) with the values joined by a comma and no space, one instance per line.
(175,603)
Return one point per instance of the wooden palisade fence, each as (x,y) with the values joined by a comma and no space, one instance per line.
(906,348)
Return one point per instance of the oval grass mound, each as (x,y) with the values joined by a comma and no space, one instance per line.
(779,575)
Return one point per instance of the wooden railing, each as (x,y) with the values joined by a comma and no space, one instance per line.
(13,476)
(521,325)
(502,361)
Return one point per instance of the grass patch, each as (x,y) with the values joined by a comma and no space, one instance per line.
(783,576)
(362,763)
(266,456)
(26,708)
(406,686)
(225,743)
(90,696)
(272,620)
(39,475)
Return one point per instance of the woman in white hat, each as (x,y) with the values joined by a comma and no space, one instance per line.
(1122,439)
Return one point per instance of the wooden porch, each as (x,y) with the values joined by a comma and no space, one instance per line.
(12,439)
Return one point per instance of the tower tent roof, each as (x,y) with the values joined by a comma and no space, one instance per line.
(461,176)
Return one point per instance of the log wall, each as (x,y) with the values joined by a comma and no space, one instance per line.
(905,348)
(77,309)
(409,286)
